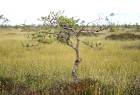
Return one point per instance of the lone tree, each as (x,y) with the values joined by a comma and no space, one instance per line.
(65,30)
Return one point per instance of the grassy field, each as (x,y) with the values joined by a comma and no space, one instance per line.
(114,64)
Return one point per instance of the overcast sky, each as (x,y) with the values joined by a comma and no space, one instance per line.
(17,11)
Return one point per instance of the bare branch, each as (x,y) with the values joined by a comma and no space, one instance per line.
(69,42)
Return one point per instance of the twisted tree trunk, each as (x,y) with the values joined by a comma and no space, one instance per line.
(77,61)
(75,70)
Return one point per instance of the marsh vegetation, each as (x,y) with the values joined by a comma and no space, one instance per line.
(111,67)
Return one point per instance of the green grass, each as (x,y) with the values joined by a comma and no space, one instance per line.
(49,65)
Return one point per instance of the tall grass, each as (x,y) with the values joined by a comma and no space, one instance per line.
(47,66)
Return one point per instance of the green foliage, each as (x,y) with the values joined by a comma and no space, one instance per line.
(61,30)
(40,37)
(62,38)
(95,46)
(51,19)
(113,28)
(68,22)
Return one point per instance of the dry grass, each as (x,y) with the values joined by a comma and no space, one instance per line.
(46,66)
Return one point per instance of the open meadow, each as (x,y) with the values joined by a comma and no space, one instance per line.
(112,66)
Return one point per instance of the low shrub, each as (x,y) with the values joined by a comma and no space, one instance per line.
(83,87)
(123,36)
